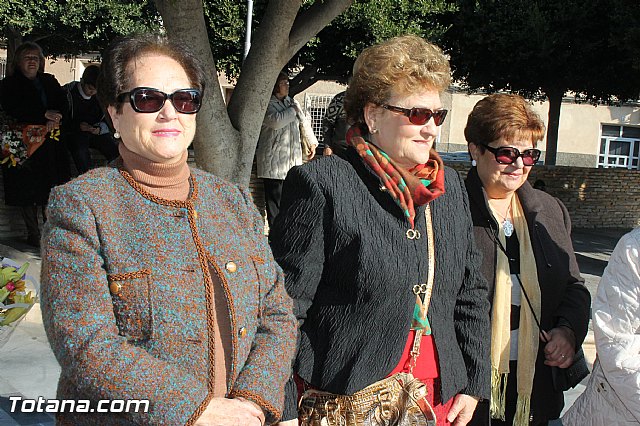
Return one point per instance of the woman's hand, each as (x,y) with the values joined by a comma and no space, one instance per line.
(462,409)
(231,412)
(313,152)
(561,347)
(53,115)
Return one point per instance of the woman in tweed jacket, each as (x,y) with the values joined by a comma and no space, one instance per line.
(157,281)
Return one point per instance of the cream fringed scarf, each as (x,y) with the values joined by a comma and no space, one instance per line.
(528,333)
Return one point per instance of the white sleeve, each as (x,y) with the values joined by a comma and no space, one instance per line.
(616,321)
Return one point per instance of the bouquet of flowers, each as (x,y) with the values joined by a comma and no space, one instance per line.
(19,141)
(14,152)
(15,300)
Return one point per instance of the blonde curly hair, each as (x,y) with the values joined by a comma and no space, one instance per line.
(400,65)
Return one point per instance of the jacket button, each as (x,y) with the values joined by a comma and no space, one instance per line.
(242,332)
(115,287)
(231,267)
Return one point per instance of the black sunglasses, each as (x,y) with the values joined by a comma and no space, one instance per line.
(509,155)
(148,99)
(420,116)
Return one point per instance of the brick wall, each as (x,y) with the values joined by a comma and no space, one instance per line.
(595,198)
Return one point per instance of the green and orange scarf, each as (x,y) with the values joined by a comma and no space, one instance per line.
(409,188)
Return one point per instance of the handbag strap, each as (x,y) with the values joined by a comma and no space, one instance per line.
(431,255)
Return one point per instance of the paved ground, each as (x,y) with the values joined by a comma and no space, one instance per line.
(33,371)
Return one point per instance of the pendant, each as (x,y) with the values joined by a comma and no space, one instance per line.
(507,227)
(413,234)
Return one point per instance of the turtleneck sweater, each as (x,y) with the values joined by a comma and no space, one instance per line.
(171,182)
(168,181)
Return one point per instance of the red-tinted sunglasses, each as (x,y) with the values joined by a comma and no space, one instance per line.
(509,155)
(148,99)
(420,116)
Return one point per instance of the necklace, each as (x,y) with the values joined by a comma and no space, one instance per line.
(507,225)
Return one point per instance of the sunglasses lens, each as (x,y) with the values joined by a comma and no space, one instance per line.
(419,116)
(506,155)
(186,101)
(439,116)
(146,100)
(530,156)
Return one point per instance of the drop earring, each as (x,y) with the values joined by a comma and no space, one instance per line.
(473,163)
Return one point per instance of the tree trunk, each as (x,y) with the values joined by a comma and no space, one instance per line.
(226,138)
(14,39)
(215,139)
(555,102)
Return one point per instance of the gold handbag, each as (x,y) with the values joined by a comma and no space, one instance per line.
(398,400)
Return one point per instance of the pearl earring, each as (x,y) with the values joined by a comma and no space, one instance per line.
(116,135)
(474,163)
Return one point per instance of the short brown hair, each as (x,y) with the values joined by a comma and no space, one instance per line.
(400,65)
(27,46)
(281,77)
(115,76)
(505,116)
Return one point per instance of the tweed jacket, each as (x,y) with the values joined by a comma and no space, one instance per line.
(126,289)
(564,298)
(350,269)
(279,146)
(612,396)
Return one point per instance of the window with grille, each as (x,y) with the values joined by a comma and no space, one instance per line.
(315,106)
(619,147)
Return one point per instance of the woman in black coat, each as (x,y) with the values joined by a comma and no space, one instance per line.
(30,96)
(529,263)
(352,239)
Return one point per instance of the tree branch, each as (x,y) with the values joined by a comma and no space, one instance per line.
(310,22)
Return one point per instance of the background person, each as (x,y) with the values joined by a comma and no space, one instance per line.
(353,242)
(279,145)
(157,281)
(30,96)
(612,396)
(85,126)
(334,126)
(525,233)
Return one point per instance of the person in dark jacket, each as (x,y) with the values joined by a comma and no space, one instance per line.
(30,96)
(353,240)
(334,126)
(524,235)
(86,127)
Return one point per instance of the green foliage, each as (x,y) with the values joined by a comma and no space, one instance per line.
(367,22)
(67,27)
(332,52)
(544,46)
